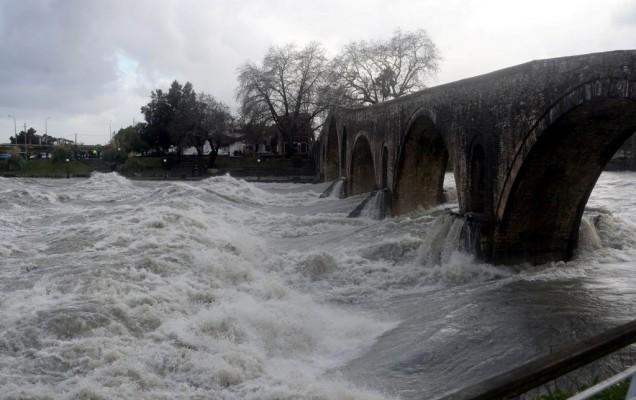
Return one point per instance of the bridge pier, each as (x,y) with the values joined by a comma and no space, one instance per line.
(475,235)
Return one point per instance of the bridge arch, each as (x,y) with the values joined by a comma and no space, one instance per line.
(332,166)
(421,165)
(555,169)
(362,170)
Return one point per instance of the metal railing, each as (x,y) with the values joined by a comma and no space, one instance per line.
(545,369)
(629,373)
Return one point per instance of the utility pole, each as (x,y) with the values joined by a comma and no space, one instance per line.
(46,128)
(26,149)
(76,140)
(15,130)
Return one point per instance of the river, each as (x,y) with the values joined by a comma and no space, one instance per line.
(224,289)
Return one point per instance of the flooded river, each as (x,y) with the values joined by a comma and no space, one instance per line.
(224,289)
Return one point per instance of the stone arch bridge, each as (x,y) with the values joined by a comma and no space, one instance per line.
(526,145)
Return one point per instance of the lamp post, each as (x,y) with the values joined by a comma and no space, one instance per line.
(46,130)
(165,167)
(68,174)
(26,147)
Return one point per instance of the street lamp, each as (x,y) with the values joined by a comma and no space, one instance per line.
(165,167)
(68,174)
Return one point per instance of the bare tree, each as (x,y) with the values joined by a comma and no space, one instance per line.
(375,71)
(287,90)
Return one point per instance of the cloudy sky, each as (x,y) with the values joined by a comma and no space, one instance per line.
(88,63)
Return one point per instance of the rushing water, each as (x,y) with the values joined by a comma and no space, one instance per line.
(222,289)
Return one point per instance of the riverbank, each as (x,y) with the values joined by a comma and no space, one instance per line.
(263,179)
(616,392)
(155,168)
(50,169)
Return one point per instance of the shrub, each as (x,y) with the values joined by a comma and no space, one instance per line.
(132,166)
(15,163)
(61,153)
(112,155)
(297,161)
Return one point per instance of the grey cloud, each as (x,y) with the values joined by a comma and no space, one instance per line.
(626,15)
(63,53)
(50,55)
(64,57)
(61,56)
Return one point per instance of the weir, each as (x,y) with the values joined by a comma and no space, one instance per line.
(526,145)
(336,189)
(376,205)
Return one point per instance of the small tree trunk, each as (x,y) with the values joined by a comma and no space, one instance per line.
(214,151)
(290,131)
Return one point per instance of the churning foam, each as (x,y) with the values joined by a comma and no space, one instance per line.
(138,290)
(216,289)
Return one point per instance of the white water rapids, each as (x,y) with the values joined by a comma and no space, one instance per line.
(223,289)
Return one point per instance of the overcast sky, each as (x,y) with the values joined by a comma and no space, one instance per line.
(85,63)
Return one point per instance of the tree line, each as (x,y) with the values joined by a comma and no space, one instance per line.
(30,137)
(292,84)
(290,88)
(177,118)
